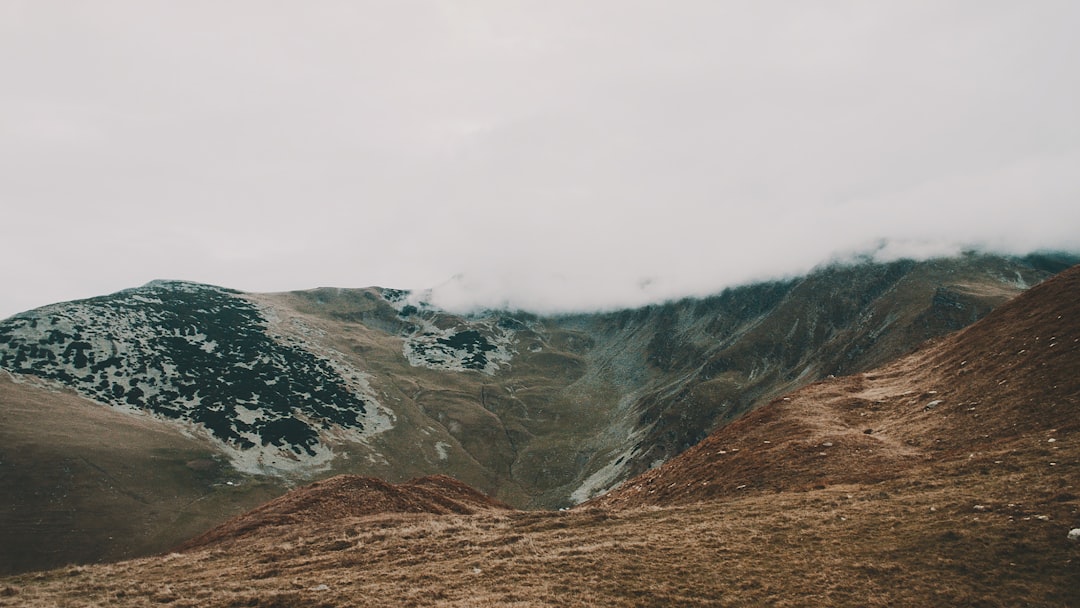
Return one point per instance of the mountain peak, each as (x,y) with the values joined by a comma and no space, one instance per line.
(180,285)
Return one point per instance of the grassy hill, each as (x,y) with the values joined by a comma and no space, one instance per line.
(950,476)
(134,412)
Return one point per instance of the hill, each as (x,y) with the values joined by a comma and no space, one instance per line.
(272,391)
(948,477)
(348,496)
(1003,391)
(82,482)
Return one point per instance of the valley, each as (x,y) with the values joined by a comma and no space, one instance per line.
(266,392)
(948,476)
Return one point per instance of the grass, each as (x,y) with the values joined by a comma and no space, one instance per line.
(83,482)
(897,514)
(850,492)
(906,542)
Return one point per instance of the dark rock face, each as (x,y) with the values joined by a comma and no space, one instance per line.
(188,352)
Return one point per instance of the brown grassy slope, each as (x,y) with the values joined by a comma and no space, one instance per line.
(82,482)
(1002,388)
(930,542)
(352,496)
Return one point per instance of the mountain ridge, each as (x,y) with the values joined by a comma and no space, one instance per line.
(948,476)
(537,412)
(995,383)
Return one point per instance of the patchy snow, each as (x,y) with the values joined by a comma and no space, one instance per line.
(605,478)
(296,331)
(439,340)
(209,361)
(277,461)
(473,346)
(442,449)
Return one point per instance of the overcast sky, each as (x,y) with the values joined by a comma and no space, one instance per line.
(552,154)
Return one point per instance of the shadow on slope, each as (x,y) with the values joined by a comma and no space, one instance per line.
(82,482)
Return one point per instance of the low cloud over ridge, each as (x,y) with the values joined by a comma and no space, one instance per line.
(554,156)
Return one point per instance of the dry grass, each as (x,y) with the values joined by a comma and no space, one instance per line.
(898,543)
(962,493)
(1005,390)
(83,482)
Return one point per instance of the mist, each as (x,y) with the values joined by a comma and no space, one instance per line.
(549,156)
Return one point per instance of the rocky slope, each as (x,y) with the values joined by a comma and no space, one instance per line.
(203,356)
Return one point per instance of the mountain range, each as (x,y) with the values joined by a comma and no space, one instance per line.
(134,421)
(944,476)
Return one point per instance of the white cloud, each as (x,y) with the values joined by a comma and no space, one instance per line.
(554,154)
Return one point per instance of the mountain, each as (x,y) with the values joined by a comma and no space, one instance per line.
(539,412)
(1002,392)
(948,476)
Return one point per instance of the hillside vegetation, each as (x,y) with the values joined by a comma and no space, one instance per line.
(950,476)
(263,392)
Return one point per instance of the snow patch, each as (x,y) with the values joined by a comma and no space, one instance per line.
(297,332)
(275,460)
(442,449)
(603,479)
(476,346)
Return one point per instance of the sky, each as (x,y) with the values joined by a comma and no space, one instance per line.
(551,155)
